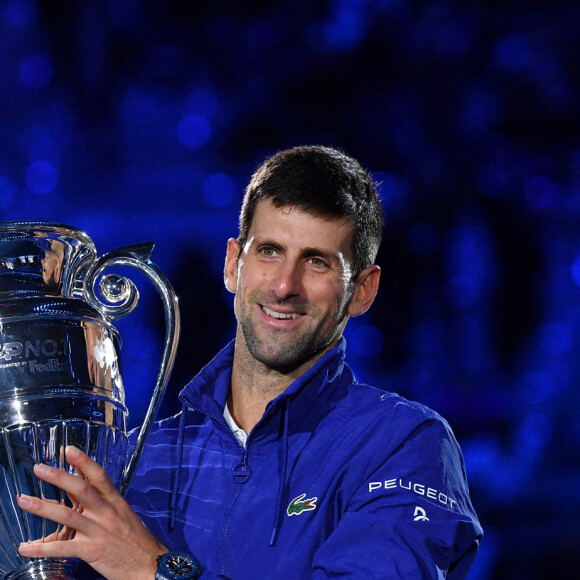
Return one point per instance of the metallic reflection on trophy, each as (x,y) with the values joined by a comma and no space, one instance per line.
(60,377)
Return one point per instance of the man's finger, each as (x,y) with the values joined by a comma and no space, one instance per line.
(63,533)
(58,549)
(91,470)
(77,488)
(58,513)
(93,491)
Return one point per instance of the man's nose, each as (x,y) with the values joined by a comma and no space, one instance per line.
(288,280)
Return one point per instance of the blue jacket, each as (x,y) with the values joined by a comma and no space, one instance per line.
(338,480)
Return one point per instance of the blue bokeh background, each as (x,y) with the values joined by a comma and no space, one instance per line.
(138,120)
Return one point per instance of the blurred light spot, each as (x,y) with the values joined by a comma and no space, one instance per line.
(536,430)
(203,102)
(347,26)
(576,271)
(541,192)
(536,387)
(479,111)
(470,255)
(461,291)
(423,383)
(194,131)
(513,53)
(426,336)
(556,338)
(41,177)
(423,238)
(471,344)
(18,12)
(138,107)
(36,143)
(365,341)
(482,454)
(218,190)
(393,191)
(7,192)
(36,72)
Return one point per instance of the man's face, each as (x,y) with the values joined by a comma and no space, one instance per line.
(52,264)
(293,285)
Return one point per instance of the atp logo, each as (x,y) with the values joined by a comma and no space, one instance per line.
(299,505)
(420,515)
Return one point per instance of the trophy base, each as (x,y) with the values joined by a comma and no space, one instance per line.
(44,570)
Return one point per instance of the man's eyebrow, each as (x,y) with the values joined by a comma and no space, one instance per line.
(307,252)
(327,255)
(270,243)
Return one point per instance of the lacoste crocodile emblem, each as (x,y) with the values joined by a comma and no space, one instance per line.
(299,505)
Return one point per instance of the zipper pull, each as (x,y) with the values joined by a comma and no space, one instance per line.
(242,471)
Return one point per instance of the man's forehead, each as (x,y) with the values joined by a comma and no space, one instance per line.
(301,226)
(266,208)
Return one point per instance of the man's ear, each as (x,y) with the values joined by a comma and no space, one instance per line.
(231,265)
(367,285)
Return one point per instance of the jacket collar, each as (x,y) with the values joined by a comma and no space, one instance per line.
(209,389)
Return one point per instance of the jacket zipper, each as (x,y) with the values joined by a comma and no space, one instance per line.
(242,469)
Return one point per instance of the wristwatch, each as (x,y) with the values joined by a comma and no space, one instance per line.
(176,566)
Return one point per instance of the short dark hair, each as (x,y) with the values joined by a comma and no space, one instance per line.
(322,181)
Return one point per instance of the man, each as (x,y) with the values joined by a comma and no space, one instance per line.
(280,464)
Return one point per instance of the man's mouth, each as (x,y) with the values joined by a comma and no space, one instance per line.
(281,315)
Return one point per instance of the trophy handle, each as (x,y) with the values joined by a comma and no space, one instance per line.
(124,295)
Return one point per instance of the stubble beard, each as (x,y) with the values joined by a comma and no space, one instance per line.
(280,352)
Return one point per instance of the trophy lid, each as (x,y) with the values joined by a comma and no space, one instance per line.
(42,257)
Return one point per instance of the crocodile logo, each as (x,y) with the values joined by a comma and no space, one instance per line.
(299,505)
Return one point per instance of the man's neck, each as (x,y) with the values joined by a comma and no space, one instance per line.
(254,385)
(252,388)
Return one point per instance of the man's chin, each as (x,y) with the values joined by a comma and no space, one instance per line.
(284,360)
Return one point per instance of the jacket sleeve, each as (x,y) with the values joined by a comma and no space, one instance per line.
(410,518)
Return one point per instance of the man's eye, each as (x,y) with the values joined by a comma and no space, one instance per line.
(268,252)
(317,262)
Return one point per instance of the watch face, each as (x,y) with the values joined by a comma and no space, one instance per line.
(177,566)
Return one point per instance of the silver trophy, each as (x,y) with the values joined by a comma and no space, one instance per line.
(60,379)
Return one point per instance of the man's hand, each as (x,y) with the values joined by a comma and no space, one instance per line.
(106,533)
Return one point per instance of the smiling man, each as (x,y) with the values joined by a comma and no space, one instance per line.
(280,464)
(295,289)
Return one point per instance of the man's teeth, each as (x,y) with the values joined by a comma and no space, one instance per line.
(281,315)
